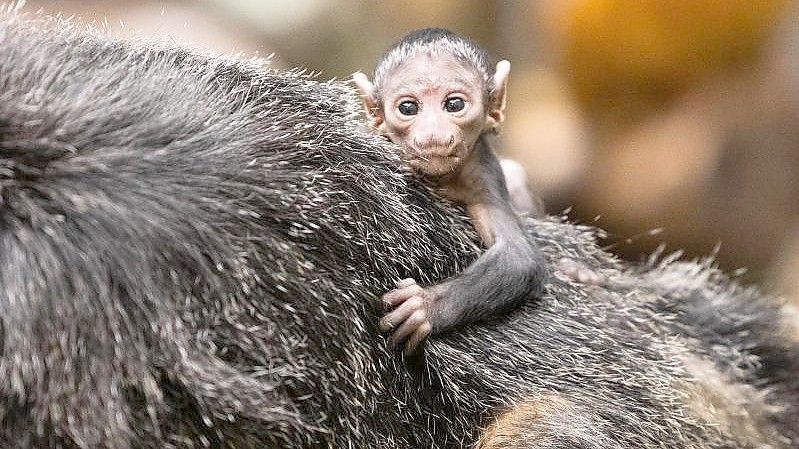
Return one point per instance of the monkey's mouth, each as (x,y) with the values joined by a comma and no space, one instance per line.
(417,159)
(434,158)
(434,165)
(433,153)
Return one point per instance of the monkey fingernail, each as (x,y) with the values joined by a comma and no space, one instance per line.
(405,283)
(418,337)
(410,346)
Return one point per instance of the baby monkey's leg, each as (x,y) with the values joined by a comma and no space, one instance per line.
(522,198)
(579,272)
(525,202)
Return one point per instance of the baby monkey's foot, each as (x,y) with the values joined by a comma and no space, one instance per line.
(579,272)
(409,318)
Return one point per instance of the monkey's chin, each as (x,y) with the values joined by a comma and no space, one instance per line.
(435,166)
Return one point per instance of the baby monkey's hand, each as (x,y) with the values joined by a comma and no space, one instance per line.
(410,315)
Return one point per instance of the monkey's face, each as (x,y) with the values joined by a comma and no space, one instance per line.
(434,108)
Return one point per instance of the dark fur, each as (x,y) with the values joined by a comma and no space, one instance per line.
(191,249)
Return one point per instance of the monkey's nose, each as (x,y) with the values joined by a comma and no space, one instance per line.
(435,145)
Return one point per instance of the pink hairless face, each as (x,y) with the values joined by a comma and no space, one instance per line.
(435,109)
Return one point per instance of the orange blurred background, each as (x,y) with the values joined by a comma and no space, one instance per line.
(680,116)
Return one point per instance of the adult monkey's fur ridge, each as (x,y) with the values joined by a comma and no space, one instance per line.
(191,249)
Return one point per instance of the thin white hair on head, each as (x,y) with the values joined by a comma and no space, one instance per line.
(434,42)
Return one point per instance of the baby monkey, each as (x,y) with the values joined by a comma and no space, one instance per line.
(437,95)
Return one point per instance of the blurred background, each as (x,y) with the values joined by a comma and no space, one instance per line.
(661,121)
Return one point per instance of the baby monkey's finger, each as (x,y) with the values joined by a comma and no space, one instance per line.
(414,321)
(400,314)
(407,282)
(394,297)
(417,338)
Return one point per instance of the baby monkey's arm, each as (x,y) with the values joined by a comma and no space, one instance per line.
(511,270)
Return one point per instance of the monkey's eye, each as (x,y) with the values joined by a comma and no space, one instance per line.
(454,104)
(408,108)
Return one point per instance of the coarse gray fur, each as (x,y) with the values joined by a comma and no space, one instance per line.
(191,252)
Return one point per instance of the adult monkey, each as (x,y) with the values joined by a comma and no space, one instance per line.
(437,95)
(187,249)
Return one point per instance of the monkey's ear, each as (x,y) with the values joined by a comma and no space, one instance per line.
(369,99)
(499,88)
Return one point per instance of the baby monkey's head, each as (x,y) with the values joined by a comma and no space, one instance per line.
(434,94)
